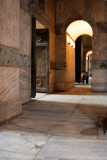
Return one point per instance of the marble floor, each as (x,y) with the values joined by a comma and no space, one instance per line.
(59,126)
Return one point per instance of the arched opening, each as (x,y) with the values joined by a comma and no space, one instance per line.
(78,42)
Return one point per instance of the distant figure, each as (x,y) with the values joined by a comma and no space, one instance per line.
(87,76)
(83,77)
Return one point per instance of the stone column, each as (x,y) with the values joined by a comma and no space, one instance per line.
(10,105)
(60,59)
(99,57)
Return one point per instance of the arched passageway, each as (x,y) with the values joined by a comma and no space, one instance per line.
(78,36)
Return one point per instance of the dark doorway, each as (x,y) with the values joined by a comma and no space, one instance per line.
(83,44)
(33,64)
(78,60)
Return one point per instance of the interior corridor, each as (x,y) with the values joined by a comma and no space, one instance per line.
(59,126)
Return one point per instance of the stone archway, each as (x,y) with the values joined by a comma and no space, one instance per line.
(73,19)
(76,63)
(63,58)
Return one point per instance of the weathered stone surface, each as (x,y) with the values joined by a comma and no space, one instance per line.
(98,10)
(59,126)
(20,145)
(25,84)
(25,53)
(24,4)
(9,23)
(60,46)
(67,148)
(102,27)
(99,64)
(9,56)
(88,6)
(10,105)
(24,61)
(58,28)
(99,80)
(9,109)
(25,33)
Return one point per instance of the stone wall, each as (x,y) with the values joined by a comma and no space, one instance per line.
(25,56)
(95,13)
(50,9)
(70,66)
(10,105)
(52,62)
(60,62)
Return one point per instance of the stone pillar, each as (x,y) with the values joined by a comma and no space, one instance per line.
(65,64)
(10,105)
(99,57)
(52,62)
(25,55)
(60,59)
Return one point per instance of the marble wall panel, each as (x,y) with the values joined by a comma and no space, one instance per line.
(99,80)
(24,4)
(25,55)
(10,104)
(25,33)
(99,64)
(9,56)
(24,61)
(9,83)
(9,109)
(25,84)
(9,23)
